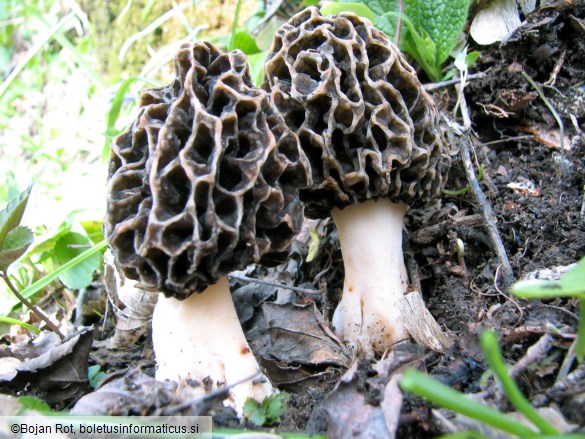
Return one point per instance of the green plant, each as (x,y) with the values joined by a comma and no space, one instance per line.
(95,375)
(268,412)
(571,284)
(423,385)
(15,240)
(428,30)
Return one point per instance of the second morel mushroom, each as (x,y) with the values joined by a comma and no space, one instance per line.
(204,182)
(371,134)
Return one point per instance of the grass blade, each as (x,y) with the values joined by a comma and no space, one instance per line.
(423,385)
(24,325)
(46,280)
(32,52)
(491,350)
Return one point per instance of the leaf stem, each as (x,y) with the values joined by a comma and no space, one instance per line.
(32,307)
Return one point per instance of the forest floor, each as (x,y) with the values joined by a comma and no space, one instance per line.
(534,181)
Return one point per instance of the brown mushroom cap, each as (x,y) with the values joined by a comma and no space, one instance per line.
(206,179)
(364,121)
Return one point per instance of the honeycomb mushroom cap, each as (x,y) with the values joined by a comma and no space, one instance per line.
(363,119)
(205,181)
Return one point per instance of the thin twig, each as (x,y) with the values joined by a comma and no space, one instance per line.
(435,85)
(33,308)
(484,206)
(272,284)
(509,139)
(534,353)
(549,106)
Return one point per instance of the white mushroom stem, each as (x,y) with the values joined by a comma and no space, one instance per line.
(370,234)
(201,337)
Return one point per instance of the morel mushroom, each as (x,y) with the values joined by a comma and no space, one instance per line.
(371,134)
(204,182)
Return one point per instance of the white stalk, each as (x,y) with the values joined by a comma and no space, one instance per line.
(370,234)
(201,337)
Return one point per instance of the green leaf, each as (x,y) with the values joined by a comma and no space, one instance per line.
(32,403)
(436,23)
(17,242)
(471,58)
(423,49)
(572,284)
(11,215)
(67,248)
(333,8)
(245,42)
(95,375)
(256,62)
(253,412)
(94,230)
(18,237)
(46,280)
(275,406)
(267,413)
(443,20)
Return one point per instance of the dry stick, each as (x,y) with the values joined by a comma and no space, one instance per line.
(533,354)
(485,208)
(33,308)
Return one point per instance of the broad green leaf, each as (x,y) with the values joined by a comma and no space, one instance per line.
(245,42)
(11,215)
(68,247)
(333,8)
(443,20)
(572,284)
(377,7)
(439,23)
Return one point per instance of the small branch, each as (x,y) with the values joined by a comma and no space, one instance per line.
(272,284)
(534,353)
(435,85)
(33,308)
(484,206)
